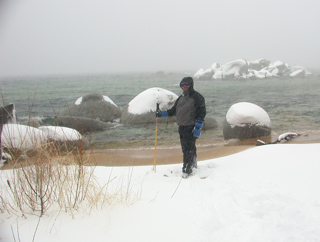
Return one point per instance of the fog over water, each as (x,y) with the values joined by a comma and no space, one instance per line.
(80,36)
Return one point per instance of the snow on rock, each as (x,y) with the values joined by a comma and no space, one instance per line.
(243,113)
(298,73)
(93,106)
(105,98)
(257,69)
(258,64)
(141,109)
(58,133)
(21,137)
(286,136)
(234,68)
(245,121)
(146,101)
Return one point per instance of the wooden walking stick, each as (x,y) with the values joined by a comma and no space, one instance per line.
(155,140)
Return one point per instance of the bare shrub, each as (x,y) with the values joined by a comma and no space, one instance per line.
(49,179)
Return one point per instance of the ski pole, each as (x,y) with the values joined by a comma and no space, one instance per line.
(155,140)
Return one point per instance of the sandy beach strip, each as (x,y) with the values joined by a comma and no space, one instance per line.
(173,155)
(145,156)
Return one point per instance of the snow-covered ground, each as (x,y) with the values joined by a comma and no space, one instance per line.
(267,193)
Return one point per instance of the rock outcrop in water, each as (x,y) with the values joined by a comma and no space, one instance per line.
(94,106)
(258,69)
(245,121)
(83,125)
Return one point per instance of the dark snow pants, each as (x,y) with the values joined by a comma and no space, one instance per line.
(188,145)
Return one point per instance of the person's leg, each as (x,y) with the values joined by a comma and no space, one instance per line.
(188,147)
(183,146)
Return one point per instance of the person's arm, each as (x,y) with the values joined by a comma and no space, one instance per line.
(168,113)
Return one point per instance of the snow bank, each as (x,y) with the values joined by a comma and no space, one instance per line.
(243,113)
(146,101)
(267,193)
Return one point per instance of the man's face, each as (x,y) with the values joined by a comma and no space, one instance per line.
(185,86)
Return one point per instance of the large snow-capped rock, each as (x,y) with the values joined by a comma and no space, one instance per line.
(246,120)
(233,69)
(278,68)
(22,137)
(207,73)
(95,106)
(258,64)
(298,73)
(142,108)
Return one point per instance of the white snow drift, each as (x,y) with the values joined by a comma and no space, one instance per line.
(267,193)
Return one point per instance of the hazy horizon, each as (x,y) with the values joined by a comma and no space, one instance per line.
(87,37)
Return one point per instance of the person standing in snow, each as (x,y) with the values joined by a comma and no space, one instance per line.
(190,110)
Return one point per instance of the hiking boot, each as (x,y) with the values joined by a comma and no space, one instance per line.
(188,170)
(184,168)
(194,162)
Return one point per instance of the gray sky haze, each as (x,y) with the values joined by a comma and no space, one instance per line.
(101,36)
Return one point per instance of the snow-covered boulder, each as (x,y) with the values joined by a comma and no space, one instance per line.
(207,73)
(278,68)
(236,68)
(22,137)
(298,74)
(246,120)
(142,108)
(58,133)
(262,74)
(258,69)
(63,137)
(93,106)
(204,74)
(258,64)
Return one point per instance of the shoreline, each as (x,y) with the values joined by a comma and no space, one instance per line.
(144,156)
(173,155)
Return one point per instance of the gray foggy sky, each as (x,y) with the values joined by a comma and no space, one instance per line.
(100,36)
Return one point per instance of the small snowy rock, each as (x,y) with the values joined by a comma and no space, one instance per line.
(21,137)
(286,136)
(58,133)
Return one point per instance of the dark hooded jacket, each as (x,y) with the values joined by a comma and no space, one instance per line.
(189,107)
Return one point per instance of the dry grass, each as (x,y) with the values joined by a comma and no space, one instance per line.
(49,179)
